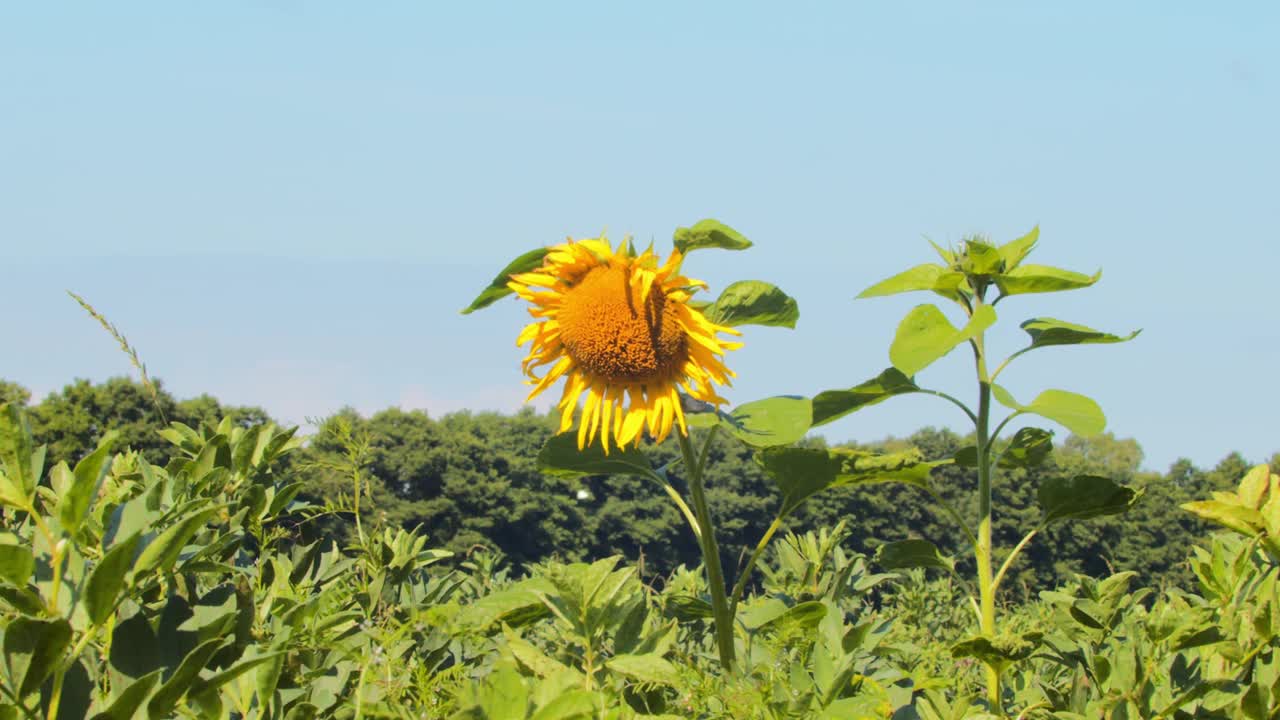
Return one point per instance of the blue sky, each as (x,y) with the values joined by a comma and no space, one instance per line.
(285,203)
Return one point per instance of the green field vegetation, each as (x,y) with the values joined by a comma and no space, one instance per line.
(184,559)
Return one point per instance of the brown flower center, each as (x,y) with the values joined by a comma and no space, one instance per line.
(609,335)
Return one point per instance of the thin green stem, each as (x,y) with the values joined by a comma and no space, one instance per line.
(996,433)
(955,515)
(1013,554)
(684,509)
(1006,362)
(741,586)
(957,403)
(710,554)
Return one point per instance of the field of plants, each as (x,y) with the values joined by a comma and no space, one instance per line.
(646,550)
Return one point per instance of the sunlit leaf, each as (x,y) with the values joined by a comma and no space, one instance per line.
(73,503)
(16,564)
(498,288)
(107,579)
(1041,279)
(920,277)
(753,302)
(925,335)
(32,650)
(832,405)
(1077,413)
(650,668)
(770,422)
(1014,251)
(709,234)
(1048,331)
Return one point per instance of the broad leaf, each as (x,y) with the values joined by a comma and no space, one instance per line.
(832,405)
(1028,448)
(16,564)
(561,457)
(163,551)
(166,698)
(32,649)
(801,473)
(980,258)
(914,553)
(1077,413)
(1041,279)
(1244,520)
(649,668)
(770,422)
(998,653)
(107,579)
(86,479)
(130,699)
(505,695)
(925,335)
(920,277)
(498,288)
(754,302)
(709,234)
(1048,331)
(1083,496)
(1014,251)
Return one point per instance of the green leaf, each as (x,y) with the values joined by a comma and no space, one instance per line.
(217,680)
(1077,413)
(649,668)
(498,289)
(1041,279)
(920,277)
(1083,496)
(107,579)
(980,258)
(16,564)
(999,652)
(560,457)
(13,495)
(17,451)
(1028,448)
(914,553)
(505,695)
(571,705)
(73,504)
(188,671)
(1014,251)
(1048,331)
(130,699)
(832,405)
(163,551)
(754,302)
(32,650)
(801,473)
(770,422)
(709,234)
(802,615)
(1244,520)
(925,335)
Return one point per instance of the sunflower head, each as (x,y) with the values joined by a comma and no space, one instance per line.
(619,327)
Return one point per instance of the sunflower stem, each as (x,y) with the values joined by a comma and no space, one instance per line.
(710,554)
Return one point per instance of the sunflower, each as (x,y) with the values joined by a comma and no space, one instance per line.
(620,328)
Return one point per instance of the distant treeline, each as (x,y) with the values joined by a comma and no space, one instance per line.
(471,479)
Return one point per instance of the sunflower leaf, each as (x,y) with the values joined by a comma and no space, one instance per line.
(561,457)
(1014,251)
(801,473)
(709,234)
(925,335)
(1042,279)
(1048,331)
(1082,497)
(1077,413)
(832,405)
(753,302)
(920,277)
(498,288)
(770,422)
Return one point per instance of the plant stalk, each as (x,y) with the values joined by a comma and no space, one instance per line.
(710,554)
(983,549)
